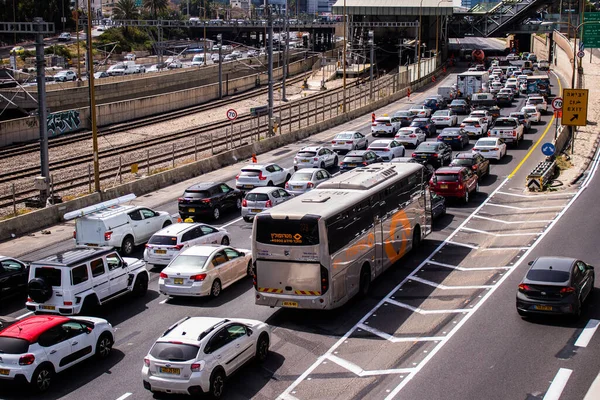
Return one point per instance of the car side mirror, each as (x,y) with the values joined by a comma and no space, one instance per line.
(590,267)
(242,253)
(123,264)
(530,263)
(248,332)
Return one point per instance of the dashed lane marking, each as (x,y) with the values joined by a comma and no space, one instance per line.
(501,234)
(526,208)
(444,287)
(164,301)
(470,246)
(539,221)
(126,395)
(463,268)
(393,339)
(355,369)
(232,222)
(535,196)
(558,384)
(25,315)
(505,248)
(586,335)
(428,312)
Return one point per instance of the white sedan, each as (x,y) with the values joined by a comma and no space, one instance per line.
(315,157)
(348,141)
(387,149)
(411,135)
(475,126)
(421,111)
(384,126)
(534,114)
(258,175)
(490,148)
(444,118)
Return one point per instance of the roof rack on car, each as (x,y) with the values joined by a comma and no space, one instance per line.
(175,325)
(212,328)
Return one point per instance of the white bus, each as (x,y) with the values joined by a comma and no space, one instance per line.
(320,249)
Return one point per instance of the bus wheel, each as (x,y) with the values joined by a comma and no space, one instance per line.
(365,281)
(416,237)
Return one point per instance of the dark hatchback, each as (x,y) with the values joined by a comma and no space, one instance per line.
(428,172)
(405,117)
(433,104)
(437,154)
(460,107)
(456,138)
(475,161)
(555,285)
(425,124)
(14,275)
(438,205)
(358,158)
(208,199)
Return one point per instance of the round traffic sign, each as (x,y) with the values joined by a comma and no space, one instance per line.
(231,114)
(557,103)
(580,54)
(548,149)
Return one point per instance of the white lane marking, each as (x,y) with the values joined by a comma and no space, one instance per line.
(289,397)
(393,339)
(534,196)
(444,287)
(501,234)
(558,384)
(356,370)
(586,335)
(464,320)
(525,208)
(470,246)
(126,395)
(593,392)
(539,221)
(505,248)
(24,315)
(164,301)
(465,268)
(427,312)
(341,340)
(232,222)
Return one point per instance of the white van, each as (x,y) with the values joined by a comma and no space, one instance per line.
(120,226)
(198,60)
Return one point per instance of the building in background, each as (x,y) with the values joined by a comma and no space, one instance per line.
(244,5)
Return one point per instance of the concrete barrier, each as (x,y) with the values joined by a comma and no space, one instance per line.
(563,55)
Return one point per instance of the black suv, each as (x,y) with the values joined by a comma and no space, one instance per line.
(208,199)
(358,158)
(437,154)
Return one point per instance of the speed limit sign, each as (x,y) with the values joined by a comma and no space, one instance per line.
(231,114)
(557,103)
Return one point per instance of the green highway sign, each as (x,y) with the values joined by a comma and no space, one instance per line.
(591,31)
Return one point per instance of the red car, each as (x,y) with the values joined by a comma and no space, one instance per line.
(459,182)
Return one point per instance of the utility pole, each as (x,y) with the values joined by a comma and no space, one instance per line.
(204,23)
(220,43)
(270,60)
(344,62)
(287,51)
(372,59)
(77,40)
(42,184)
(90,64)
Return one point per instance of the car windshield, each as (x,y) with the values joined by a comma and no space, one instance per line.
(170,351)
(383,120)
(485,143)
(418,123)
(458,103)
(257,197)
(517,115)
(163,240)
(344,136)
(200,194)
(402,114)
(11,345)
(531,110)
(505,123)
(306,153)
(547,275)
(535,101)
(189,262)
(428,146)
(447,177)
(302,177)
(470,123)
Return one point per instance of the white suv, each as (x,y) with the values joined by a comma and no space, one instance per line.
(79,280)
(37,347)
(197,354)
(257,175)
(315,157)
(384,126)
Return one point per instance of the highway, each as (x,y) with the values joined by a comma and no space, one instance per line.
(419,333)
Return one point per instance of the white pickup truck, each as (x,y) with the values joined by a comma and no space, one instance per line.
(508,129)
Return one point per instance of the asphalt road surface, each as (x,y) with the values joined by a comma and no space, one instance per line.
(441,324)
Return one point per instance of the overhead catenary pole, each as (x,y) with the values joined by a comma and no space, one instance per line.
(77,39)
(344,62)
(204,23)
(372,61)
(270,60)
(92,97)
(419,41)
(287,52)
(42,112)
(220,43)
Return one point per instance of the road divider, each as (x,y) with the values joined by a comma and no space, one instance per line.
(538,178)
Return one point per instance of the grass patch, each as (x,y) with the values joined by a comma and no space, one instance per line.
(563,163)
(73,196)
(20,211)
(159,170)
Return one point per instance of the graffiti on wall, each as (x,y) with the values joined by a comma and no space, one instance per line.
(63,122)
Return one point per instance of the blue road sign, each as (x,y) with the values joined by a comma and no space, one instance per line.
(548,149)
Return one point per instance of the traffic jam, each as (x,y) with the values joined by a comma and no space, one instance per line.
(434,169)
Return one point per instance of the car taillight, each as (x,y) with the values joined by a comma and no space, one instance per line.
(107,235)
(341,163)
(388,124)
(163,275)
(27,359)
(373,124)
(237,176)
(439,137)
(310,185)
(262,177)
(198,278)
(365,163)
(446,118)
(413,154)
(147,362)
(477,126)
(177,247)
(333,142)
(315,159)
(324,280)
(524,288)
(386,149)
(412,135)
(567,290)
(435,155)
(475,148)
(495,149)
(197,367)
(68,303)
(207,201)
(245,203)
(349,141)
(460,186)
(474,167)
(514,133)
(462,125)
(490,133)
(74,234)
(268,203)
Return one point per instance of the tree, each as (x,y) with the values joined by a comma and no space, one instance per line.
(126,9)
(156,6)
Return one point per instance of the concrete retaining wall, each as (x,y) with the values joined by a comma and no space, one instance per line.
(563,54)
(540,46)
(40,219)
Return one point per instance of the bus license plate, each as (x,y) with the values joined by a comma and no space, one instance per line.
(543,308)
(48,308)
(289,304)
(173,371)
(160,252)
(191,210)
(4,371)
(178,281)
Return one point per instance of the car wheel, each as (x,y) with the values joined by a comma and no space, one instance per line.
(42,378)
(225,241)
(127,246)
(366,144)
(215,289)
(104,346)
(216,213)
(466,197)
(262,348)
(336,161)
(322,166)
(90,305)
(270,183)
(140,287)
(238,204)
(365,281)
(217,384)
(167,223)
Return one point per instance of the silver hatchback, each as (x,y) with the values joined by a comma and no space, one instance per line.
(306,179)
(263,198)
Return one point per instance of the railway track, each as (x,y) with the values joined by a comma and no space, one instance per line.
(27,148)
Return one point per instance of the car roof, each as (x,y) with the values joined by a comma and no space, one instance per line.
(202,250)
(32,327)
(554,263)
(203,186)
(192,329)
(176,229)
(421,120)
(448,170)
(462,156)
(356,153)
(347,132)
(265,189)
(310,148)
(74,256)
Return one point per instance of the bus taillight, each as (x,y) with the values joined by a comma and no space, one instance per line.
(254,275)
(324,280)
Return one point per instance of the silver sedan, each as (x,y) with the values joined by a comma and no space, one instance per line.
(348,141)
(306,179)
(387,149)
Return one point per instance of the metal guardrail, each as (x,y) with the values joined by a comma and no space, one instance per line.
(539,177)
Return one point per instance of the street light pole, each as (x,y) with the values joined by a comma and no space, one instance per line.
(92,97)
(270,60)
(419,41)
(372,45)
(286,51)
(204,23)
(344,63)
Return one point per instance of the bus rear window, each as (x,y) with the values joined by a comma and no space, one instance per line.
(286,231)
